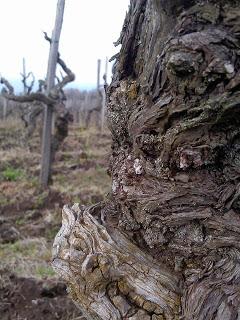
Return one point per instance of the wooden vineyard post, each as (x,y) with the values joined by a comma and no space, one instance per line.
(104,94)
(48,112)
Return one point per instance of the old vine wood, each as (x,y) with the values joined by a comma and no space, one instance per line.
(165,243)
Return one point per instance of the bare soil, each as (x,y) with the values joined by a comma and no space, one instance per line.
(28,298)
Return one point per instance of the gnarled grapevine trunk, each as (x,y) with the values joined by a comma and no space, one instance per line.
(166,244)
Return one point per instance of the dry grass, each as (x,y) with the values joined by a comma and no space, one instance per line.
(79,175)
(11,124)
(27,258)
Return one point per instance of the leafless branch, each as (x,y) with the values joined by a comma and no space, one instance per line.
(56,93)
(28,88)
(58,88)
(47,37)
(30,98)
(41,85)
(39,96)
(62,95)
(114,57)
(68,78)
(58,79)
(61,74)
(8,86)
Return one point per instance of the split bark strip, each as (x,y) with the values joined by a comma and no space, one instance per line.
(48,112)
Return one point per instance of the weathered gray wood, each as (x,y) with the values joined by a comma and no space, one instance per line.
(98,73)
(114,278)
(50,82)
(24,76)
(104,95)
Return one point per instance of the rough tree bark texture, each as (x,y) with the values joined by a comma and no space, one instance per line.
(166,244)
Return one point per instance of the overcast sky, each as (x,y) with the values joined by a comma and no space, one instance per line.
(89,29)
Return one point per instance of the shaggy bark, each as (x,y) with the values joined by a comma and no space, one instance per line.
(173,110)
(63,118)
